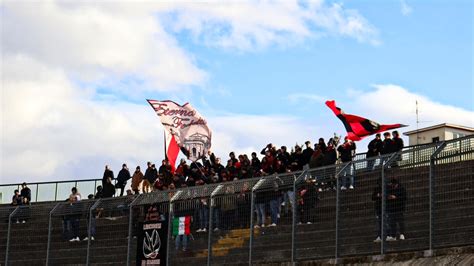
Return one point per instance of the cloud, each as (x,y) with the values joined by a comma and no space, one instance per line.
(405,8)
(305,97)
(99,43)
(247,25)
(49,125)
(54,131)
(67,67)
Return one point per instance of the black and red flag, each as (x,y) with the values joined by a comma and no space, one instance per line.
(358,127)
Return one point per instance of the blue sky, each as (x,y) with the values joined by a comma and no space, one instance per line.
(74,91)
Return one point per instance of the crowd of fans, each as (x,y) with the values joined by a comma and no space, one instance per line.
(210,168)
(233,211)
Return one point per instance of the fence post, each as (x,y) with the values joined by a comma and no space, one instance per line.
(385,161)
(49,232)
(252,196)
(8,233)
(432,196)
(336,253)
(36,196)
(293,222)
(382,212)
(252,206)
(170,226)
(343,169)
(89,230)
(56,192)
(130,233)
(209,235)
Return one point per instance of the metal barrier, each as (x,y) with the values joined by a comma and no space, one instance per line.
(417,199)
(67,229)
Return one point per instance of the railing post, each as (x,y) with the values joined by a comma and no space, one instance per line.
(130,233)
(36,196)
(8,233)
(252,201)
(382,212)
(209,235)
(89,227)
(56,192)
(293,222)
(336,253)
(252,207)
(49,232)
(338,173)
(383,199)
(170,226)
(431,193)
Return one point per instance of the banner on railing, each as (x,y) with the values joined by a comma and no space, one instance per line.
(151,243)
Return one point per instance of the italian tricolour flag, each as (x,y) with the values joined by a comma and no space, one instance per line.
(182,225)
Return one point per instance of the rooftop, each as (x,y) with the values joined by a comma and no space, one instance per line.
(439,126)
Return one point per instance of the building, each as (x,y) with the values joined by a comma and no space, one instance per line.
(437,133)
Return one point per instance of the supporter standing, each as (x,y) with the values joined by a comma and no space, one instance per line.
(307,153)
(309,198)
(25,194)
(377,199)
(151,174)
(109,189)
(397,147)
(137,180)
(107,173)
(347,152)
(74,217)
(122,178)
(396,203)
(374,149)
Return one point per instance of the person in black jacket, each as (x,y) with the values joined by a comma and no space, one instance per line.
(122,178)
(377,199)
(308,199)
(108,189)
(151,174)
(396,203)
(307,153)
(374,149)
(346,153)
(330,157)
(387,144)
(107,173)
(397,147)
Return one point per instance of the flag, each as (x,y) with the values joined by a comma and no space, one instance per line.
(182,225)
(358,127)
(185,130)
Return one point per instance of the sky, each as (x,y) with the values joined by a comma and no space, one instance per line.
(75,75)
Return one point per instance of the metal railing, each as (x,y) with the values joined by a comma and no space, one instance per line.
(292,216)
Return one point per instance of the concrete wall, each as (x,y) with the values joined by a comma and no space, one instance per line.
(427,136)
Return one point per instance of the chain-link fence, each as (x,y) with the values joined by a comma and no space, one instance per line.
(417,199)
(68,223)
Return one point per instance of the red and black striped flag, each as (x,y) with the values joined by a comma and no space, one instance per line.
(358,127)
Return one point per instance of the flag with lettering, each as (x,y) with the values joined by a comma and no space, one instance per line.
(359,127)
(186,130)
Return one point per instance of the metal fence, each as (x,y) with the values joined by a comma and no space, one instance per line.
(418,199)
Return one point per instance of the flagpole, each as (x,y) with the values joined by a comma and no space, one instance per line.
(164,139)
